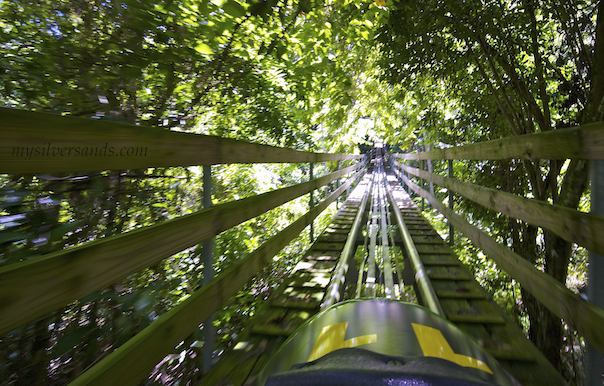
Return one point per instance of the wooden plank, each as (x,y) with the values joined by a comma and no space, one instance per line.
(587,318)
(329,246)
(423,232)
(519,355)
(133,361)
(334,238)
(432,249)
(574,226)
(461,295)
(414,219)
(32,142)
(471,311)
(436,259)
(418,225)
(431,239)
(507,343)
(512,346)
(273,330)
(35,287)
(582,142)
(315,255)
(541,373)
(297,303)
(466,289)
(459,272)
(475,318)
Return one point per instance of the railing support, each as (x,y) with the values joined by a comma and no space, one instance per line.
(311,203)
(595,290)
(338,185)
(208,275)
(451,229)
(402,182)
(422,183)
(429,167)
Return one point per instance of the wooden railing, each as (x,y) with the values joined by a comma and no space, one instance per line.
(584,142)
(33,288)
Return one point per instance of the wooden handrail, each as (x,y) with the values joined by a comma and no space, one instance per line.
(574,226)
(582,142)
(136,358)
(585,316)
(38,286)
(32,142)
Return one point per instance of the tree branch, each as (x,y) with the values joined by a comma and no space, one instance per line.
(593,111)
(539,67)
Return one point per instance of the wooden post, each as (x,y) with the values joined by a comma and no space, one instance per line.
(429,161)
(312,204)
(595,290)
(422,183)
(337,186)
(348,190)
(451,229)
(208,275)
(402,179)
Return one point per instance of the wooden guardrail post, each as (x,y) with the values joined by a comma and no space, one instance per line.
(429,168)
(338,185)
(451,229)
(595,290)
(422,182)
(209,340)
(311,203)
(402,181)
(348,191)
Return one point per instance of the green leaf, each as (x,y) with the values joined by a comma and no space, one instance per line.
(234,9)
(203,48)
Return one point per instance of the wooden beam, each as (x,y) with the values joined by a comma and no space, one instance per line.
(32,142)
(583,315)
(135,359)
(574,226)
(582,142)
(33,288)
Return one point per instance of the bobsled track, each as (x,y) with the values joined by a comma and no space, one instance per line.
(378,245)
(443,284)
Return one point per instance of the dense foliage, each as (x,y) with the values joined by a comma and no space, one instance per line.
(474,71)
(259,71)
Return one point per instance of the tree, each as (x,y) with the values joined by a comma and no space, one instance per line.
(511,68)
(261,71)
